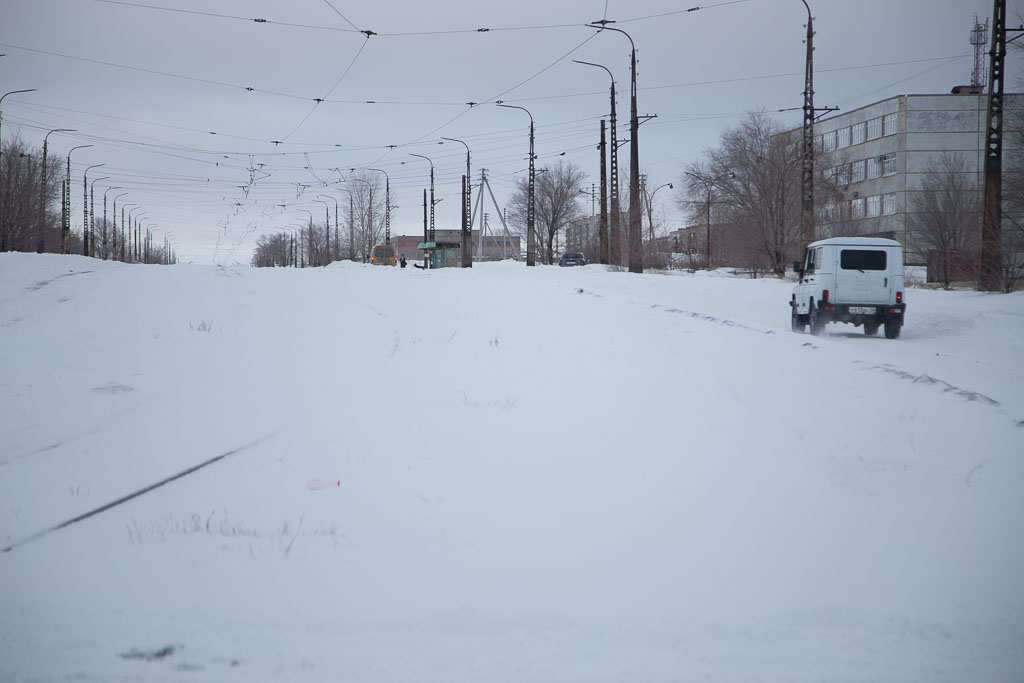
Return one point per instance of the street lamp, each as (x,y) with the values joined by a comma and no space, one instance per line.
(467,214)
(310,245)
(327,230)
(431,236)
(41,245)
(125,251)
(67,224)
(85,207)
(650,207)
(92,216)
(337,235)
(610,253)
(709,182)
(11,92)
(133,236)
(531,233)
(106,252)
(636,259)
(387,204)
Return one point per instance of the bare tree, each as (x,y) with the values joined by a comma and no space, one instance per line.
(19,198)
(557,202)
(945,213)
(367,191)
(755,175)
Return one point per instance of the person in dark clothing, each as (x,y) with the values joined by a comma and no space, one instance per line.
(402,262)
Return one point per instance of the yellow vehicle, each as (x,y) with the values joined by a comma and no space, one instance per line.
(384,255)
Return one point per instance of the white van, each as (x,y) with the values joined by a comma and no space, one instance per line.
(855,280)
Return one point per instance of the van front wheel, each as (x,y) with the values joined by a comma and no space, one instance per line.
(892,328)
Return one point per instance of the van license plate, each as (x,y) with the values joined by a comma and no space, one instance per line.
(862,310)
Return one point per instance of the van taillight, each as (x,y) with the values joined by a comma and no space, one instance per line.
(824,296)
(899,297)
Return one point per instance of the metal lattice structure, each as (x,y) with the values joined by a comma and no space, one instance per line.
(990,271)
(807,169)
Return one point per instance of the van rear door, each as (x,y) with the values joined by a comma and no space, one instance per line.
(863,275)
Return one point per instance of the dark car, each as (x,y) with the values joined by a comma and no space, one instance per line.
(572,259)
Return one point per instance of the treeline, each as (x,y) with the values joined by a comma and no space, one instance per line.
(35,217)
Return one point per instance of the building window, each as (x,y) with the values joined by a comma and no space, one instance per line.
(889,124)
(889,204)
(843,174)
(858,172)
(874,205)
(843,138)
(858,133)
(829,142)
(857,208)
(817,144)
(874,167)
(889,164)
(875,128)
(828,174)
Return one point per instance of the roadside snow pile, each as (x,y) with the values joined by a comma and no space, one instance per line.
(501,475)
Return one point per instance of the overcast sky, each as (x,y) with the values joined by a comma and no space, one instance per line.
(698,71)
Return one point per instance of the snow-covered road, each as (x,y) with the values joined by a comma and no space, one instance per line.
(545,475)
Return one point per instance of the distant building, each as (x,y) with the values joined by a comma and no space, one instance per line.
(877,156)
(495,247)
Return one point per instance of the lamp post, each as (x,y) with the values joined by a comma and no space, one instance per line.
(85,208)
(327,232)
(133,238)
(92,215)
(467,215)
(337,235)
(67,220)
(650,208)
(106,251)
(41,244)
(308,261)
(610,245)
(709,182)
(636,259)
(531,231)
(432,234)
(125,250)
(387,204)
(10,92)
(113,231)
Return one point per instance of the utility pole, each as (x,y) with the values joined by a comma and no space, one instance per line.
(41,243)
(807,169)
(614,254)
(91,251)
(650,207)
(327,231)
(426,234)
(636,258)
(67,220)
(467,213)
(603,225)
(337,235)
(432,202)
(85,209)
(531,212)
(106,249)
(990,273)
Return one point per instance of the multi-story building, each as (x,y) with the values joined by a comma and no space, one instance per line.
(877,156)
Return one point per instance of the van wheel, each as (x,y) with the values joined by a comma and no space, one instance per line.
(870,329)
(797,323)
(816,323)
(892,328)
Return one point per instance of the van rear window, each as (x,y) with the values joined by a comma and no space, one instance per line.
(862,259)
